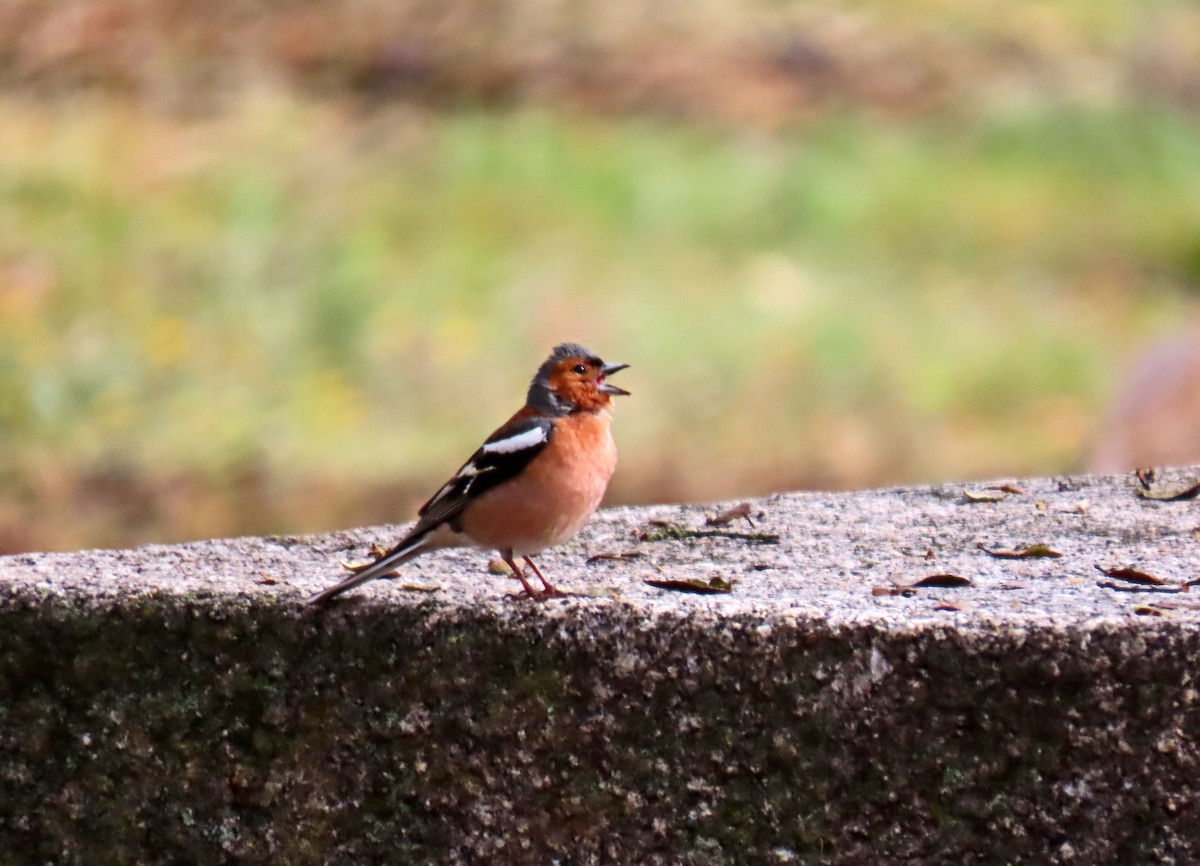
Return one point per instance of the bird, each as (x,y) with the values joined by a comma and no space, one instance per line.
(531,485)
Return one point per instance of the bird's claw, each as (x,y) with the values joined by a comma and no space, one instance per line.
(538,595)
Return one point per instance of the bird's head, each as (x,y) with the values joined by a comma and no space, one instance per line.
(573,379)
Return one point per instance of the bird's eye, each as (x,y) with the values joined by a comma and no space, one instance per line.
(579,369)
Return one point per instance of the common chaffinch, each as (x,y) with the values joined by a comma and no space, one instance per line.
(532,484)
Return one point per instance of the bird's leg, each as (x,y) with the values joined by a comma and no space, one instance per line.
(507,556)
(550,592)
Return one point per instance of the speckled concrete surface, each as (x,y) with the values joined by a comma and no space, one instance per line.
(178,704)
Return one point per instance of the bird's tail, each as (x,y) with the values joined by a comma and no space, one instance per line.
(401,553)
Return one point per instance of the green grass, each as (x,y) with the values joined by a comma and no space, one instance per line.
(361,296)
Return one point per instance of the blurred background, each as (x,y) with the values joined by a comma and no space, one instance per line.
(276,267)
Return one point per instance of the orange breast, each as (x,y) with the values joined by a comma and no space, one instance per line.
(555,495)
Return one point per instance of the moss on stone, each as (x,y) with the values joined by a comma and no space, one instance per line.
(187,732)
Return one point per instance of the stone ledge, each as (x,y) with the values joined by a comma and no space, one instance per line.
(177,704)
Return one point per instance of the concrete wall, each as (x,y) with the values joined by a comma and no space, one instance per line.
(177,704)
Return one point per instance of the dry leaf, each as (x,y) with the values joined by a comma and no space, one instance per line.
(416,587)
(1033,551)
(376,553)
(356,567)
(987,494)
(622,555)
(1169,605)
(893,590)
(943,581)
(1142,581)
(714,586)
(1169,495)
(740,510)
(1147,610)
(1145,477)
(499,566)
(951,606)
(1132,575)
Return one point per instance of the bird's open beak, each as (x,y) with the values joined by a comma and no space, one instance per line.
(606,371)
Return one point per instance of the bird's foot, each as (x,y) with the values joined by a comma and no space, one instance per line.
(538,594)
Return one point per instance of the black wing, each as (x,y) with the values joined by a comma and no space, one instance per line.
(505,453)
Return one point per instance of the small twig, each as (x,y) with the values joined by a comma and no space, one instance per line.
(1119,587)
(662,531)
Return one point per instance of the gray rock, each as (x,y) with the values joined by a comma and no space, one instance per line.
(179,704)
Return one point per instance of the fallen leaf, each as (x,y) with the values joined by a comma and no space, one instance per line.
(986,494)
(1015,584)
(951,606)
(1169,605)
(621,556)
(1147,610)
(356,567)
(741,510)
(1132,575)
(1169,495)
(376,553)
(268,581)
(416,587)
(713,586)
(499,566)
(1033,551)
(1007,488)
(943,581)
(1145,476)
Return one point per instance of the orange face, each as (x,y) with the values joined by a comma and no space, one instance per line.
(580,381)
